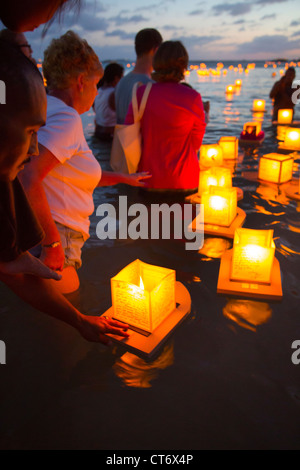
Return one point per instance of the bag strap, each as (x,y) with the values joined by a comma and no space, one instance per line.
(138,113)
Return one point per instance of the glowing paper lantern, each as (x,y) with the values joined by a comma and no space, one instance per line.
(230,89)
(276,168)
(252,128)
(217,176)
(238,83)
(259,105)
(285,116)
(143,295)
(292,139)
(230,147)
(220,206)
(253,256)
(211,155)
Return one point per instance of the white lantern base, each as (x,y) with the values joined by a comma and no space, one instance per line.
(217,230)
(146,345)
(248,289)
(196,197)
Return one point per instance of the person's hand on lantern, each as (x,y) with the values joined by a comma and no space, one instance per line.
(28,264)
(94,329)
(53,257)
(137,179)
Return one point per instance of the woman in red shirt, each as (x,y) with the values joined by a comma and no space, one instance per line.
(173,123)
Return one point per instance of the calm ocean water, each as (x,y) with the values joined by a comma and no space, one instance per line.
(224,381)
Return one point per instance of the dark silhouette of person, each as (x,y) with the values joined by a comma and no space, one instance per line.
(282,92)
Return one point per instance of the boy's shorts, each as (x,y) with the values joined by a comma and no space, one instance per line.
(72,243)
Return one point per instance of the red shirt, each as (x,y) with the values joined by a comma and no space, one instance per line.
(172,127)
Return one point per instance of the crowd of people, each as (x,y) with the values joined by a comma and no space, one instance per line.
(47,171)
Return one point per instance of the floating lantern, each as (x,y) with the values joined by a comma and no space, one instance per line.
(259,105)
(230,89)
(230,147)
(252,132)
(218,176)
(238,83)
(211,155)
(143,295)
(276,168)
(292,139)
(220,206)
(253,256)
(285,116)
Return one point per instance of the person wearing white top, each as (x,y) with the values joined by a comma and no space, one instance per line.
(61,180)
(104,105)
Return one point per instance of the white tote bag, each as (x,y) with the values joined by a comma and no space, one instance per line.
(127,142)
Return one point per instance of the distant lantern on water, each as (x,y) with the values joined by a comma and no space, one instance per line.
(143,295)
(217,176)
(211,155)
(253,256)
(259,105)
(238,83)
(276,168)
(230,89)
(230,147)
(285,116)
(220,206)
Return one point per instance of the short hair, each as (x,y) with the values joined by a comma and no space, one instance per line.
(291,70)
(111,71)
(170,62)
(146,40)
(66,58)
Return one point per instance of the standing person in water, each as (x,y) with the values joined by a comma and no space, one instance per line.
(147,42)
(60,182)
(282,93)
(104,106)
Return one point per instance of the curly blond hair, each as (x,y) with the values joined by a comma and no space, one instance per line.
(170,62)
(66,58)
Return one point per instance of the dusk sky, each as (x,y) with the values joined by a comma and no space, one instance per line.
(261,29)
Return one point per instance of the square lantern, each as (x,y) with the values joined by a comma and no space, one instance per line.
(276,168)
(143,295)
(230,147)
(252,128)
(220,206)
(292,139)
(253,256)
(211,155)
(217,176)
(285,116)
(259,105)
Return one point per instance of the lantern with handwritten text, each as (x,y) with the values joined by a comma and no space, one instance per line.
(253,256)
(220,206)
(143,295)
(276,168)
(230,147)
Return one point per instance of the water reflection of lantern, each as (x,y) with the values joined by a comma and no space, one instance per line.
(230,147)
(217,176)
(143,295)
(211,155)
(292,139)
(259,105)
(285,116)
(276,168)
(220,206)
(253,256)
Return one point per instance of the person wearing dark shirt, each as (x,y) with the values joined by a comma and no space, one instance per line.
(282,93)
(22,114)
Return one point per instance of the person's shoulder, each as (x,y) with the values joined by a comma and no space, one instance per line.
(59,110)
